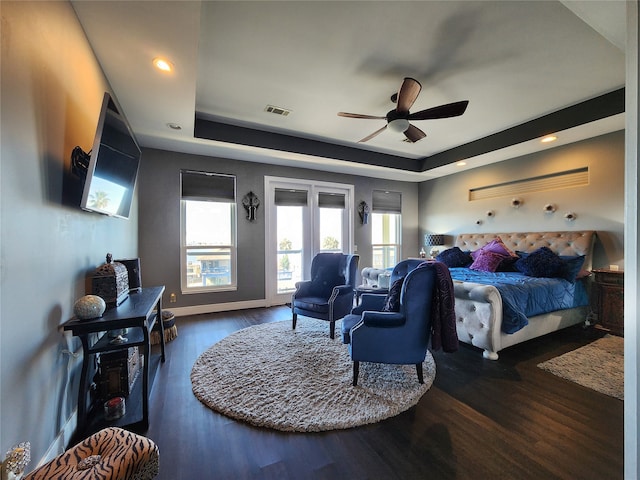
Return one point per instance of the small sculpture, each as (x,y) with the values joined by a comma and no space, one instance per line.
(363,211)
(251,202)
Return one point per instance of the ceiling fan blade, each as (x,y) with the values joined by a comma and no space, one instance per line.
(414,134)
(365,139)
(443,111)
(358,115)
(408,93)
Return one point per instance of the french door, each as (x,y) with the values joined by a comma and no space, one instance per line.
(302,218)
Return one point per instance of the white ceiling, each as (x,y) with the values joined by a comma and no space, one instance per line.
(514,62)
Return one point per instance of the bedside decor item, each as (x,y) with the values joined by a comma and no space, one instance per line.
(549,208)
(433,240)
(570,216)
(363,211)
(251,202)
(89,306)
(516,202)
(111,282)
(16,460)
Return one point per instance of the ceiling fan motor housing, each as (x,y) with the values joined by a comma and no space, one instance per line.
(397,121)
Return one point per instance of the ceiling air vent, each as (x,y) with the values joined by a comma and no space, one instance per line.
(277,110)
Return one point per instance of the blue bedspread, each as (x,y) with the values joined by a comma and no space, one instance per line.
(524,296)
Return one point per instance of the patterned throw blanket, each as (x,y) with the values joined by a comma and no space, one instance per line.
(443,317)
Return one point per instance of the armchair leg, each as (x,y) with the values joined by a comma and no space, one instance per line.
(356,371)
(295,319)
(419,370)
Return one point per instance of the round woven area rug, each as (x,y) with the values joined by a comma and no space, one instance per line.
(300,380)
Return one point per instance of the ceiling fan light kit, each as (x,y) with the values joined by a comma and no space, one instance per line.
(399,125)
(398,119)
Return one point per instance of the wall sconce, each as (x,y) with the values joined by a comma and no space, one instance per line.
(516,202)
(433,240)
(363,211)
(251,202)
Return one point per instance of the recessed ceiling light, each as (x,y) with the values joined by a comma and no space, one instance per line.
(549,139)
(174,126)
(461,164)
(162,64)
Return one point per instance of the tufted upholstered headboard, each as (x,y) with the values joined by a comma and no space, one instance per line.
(562,243)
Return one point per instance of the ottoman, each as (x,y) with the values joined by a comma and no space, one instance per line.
(110,454)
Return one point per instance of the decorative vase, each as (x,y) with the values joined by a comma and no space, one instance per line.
(89,306)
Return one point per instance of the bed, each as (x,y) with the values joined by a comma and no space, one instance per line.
(479,304)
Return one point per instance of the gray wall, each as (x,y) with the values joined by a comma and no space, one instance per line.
(159,197)
(445,206)
(52,89)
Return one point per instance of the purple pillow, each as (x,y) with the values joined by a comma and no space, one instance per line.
(487,261)
(541,263)
(454,257)
(392,301)
(495,246)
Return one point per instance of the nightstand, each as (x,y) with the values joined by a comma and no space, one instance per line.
(609,299)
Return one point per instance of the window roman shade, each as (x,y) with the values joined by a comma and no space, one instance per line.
(330,200)
(210,187)
(386,202)
(290,198)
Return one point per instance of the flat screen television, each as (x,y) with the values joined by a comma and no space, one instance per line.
(113,165)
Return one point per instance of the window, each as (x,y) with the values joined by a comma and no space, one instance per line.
(331,214)
(386,228)
(208,232)
(302,218)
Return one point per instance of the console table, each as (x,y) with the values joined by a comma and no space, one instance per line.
(137,315)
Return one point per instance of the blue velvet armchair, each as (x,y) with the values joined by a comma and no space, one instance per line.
(398,337)
(329,294)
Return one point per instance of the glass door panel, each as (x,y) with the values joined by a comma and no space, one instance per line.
(289,238)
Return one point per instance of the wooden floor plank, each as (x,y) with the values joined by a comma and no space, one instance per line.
(481,419)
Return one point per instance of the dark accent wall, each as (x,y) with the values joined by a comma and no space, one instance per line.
(159,220)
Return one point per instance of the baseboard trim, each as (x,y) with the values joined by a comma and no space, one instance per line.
(216,307)
(60,443)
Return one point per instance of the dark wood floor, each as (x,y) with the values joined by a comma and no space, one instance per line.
(480,420)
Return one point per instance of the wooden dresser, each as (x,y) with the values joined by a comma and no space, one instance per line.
(609,299)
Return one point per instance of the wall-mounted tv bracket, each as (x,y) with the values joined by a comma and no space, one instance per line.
(80,162)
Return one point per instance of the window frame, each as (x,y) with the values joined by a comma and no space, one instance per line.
(397,246)
(232,248)
(386,203)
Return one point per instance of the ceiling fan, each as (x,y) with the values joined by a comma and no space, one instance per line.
(398,119)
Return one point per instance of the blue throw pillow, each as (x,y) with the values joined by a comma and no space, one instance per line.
(571,267)
(392,301)
(454,257)
(541,263)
